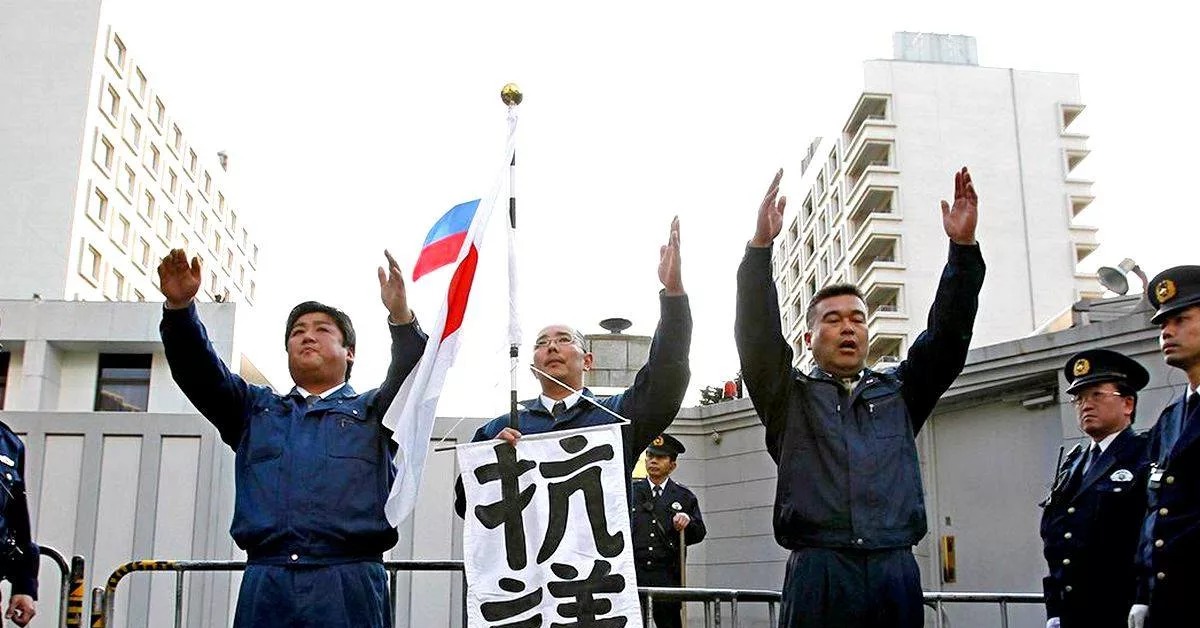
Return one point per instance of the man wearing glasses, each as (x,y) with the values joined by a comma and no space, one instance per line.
(650,404)
(1091,519)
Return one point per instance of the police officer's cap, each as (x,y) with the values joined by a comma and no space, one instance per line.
(1096,366)
(665,445)
(1173,290)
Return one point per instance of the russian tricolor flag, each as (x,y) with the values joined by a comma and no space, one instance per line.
(445,239)
(454,239)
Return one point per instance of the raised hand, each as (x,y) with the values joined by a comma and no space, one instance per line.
(770,214)
(959,220)
(178,280)
(392,293)
(668,262)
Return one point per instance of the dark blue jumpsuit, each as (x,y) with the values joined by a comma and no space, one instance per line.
(311,482)
(848,501)
(18,552)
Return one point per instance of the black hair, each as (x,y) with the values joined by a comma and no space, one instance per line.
(340,318)
(833,290)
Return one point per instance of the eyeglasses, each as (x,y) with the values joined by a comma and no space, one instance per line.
(542,343)
(1094,396)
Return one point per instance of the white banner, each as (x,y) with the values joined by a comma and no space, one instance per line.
(546,538)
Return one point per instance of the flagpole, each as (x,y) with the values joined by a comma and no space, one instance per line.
(511,96)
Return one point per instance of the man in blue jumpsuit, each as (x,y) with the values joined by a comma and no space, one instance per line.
(662,510)
(313,467)
(650,404)
(1091,519)
(1169,551)
(18,552)
(848,499)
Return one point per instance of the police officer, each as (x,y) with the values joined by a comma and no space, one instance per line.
(1169,554)
(1094,512)
(18,552)
(660,510)
(313,467)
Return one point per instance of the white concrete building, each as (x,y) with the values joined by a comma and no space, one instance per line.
(869,213)
(98,178)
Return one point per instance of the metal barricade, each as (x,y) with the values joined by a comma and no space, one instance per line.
(712,599)
(70,584)
(104,600)
(937,600)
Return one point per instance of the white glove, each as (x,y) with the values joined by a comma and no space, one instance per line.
(1052,623)
(1137,615)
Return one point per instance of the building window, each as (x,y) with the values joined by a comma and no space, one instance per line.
(116,53)
(103,153)
(204,227)
(166,229)
(133,133)
(253,291)
(143,254)
(241,275)
(128,181)
(110,104)
(123,382)
(233,222)
(4,361)
(254,260)
(153,160)
(91,264)
(229,260)
(116,286)
(160,113)
(221,205)
(185,243)
(138,296)
(212,283)
(97,208)
(172,182)
(121,233)
(176,138)
(191,164)
(216,242)
(207,184)
(189,205)
(139,85)
(147,209)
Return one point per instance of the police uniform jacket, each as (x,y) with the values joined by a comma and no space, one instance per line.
(655,540)
(311,481)
(650,404)
(1169,553)
(848,472)
(19,554)
(1089,532)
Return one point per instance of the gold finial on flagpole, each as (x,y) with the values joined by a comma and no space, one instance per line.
(511,95)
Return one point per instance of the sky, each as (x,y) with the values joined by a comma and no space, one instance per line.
(352,126)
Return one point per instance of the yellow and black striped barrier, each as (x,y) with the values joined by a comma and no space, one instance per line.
(73,611)
(65,582)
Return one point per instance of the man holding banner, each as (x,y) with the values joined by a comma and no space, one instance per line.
(312,468)
(848,499)
(650,404)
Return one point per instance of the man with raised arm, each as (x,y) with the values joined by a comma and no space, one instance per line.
(313,467)
(848,499)
(650,404)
